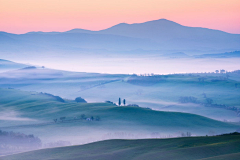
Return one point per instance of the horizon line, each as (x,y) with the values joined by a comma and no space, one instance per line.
(54,31)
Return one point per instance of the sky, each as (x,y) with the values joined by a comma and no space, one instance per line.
(21,16)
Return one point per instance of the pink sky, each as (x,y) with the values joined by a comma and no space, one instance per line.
(21,16)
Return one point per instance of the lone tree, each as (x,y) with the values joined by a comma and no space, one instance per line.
(119,101)
(124,102)
(217,71)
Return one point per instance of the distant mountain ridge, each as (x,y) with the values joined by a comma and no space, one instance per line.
(221,55)
(163,30)
(162,35)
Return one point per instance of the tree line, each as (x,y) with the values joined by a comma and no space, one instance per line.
(208,103)
(11,142)
(77,118)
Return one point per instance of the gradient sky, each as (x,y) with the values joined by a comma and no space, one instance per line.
(21,16)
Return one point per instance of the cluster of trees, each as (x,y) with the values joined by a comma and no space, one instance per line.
(232,108)
(120,102)
(59,99)
(30,67)
(188,134)
(92,118)
(82,117)
(219,79)
(209,103)
(110,102)
(201,79)
(220,71)
(80,100)
(236,72)
(134,105)
(11,142)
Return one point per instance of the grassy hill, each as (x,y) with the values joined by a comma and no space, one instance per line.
(191,148)
(160,93)
(33,113)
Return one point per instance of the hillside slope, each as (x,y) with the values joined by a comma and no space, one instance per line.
(34,113)
(160,92)
(6,65)
(222,147)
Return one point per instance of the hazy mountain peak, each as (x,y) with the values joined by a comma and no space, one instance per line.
(163,22)
(79,30)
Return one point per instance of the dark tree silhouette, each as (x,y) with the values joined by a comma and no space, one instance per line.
(124,102)
(222,71)
(80,100)
(56,97)
(119,101)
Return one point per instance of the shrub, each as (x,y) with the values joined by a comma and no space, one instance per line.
(80,100)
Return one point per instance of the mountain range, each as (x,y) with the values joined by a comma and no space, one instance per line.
(160,35)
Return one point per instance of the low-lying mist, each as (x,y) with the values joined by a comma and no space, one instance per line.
(125,64)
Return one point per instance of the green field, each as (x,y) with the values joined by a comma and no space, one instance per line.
(33,113)
(192,148)
(160,94)
(25,109)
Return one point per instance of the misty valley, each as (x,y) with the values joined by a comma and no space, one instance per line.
(152,90)
(47,108)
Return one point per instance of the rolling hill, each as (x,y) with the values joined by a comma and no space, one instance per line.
(6,65)
(35,113)
(159,92)
(192,148)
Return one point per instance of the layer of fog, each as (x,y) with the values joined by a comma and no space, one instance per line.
(82,135)
(127,64)
(12,115)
